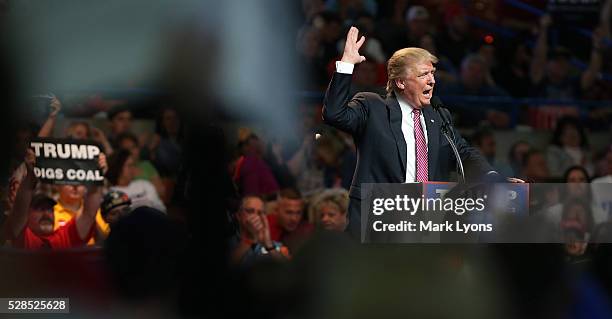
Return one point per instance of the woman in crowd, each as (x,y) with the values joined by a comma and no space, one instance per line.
(121,175)
(570,146)
(144,169)
(576,186)
(328,210)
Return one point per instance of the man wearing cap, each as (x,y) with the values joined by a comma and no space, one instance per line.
(30,224)
(115,205)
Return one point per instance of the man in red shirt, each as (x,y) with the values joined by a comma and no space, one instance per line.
(288,225)
(31,220)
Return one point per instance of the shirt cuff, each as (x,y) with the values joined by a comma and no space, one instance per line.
(345,68)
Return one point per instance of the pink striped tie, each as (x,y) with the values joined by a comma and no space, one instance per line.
(421,147)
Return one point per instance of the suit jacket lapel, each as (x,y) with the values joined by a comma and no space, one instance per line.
(395,122)
(432,123)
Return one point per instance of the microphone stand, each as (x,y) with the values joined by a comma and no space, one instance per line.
(445,131)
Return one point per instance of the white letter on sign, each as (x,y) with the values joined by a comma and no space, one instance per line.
(92,151)
(36,146)
(49,150)
(79,151)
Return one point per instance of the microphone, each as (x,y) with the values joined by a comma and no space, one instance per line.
(437,104)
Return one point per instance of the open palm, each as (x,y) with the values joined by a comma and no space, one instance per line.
(351,47)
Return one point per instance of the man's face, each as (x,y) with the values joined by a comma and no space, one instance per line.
(537,167)
(251,206)
(71,193)
(121,122)
(331,218)
(290,213)
(40,221)
(417,87)
(487,146)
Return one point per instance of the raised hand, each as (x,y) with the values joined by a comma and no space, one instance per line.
(351,47)
(56,106)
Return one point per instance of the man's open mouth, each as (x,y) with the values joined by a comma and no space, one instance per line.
(427,93)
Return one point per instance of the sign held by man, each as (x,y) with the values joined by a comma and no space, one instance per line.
(67,161)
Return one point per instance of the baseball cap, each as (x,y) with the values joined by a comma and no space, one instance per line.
(114,199)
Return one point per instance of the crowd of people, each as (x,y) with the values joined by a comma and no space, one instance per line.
(138,172)
(286,191)
(294,185)
(490,50)
(474,62)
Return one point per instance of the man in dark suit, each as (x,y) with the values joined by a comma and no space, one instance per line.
(398,137)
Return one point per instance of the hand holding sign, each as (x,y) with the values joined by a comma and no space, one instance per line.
(30,159)
(102,163)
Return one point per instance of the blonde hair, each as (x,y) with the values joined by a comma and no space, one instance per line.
(337,197)
(404,60)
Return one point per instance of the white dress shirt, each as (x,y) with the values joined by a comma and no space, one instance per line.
(407,126)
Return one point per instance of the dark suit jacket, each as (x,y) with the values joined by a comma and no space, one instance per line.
(375,124)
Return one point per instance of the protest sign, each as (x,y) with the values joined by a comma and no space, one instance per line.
(67,161)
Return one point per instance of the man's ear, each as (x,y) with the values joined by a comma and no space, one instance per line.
(399,83)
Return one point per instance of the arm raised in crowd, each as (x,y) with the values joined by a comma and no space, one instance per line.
(99,137)
(47,128)
(589,76)
(18,219)
(93,198)
(538,63)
